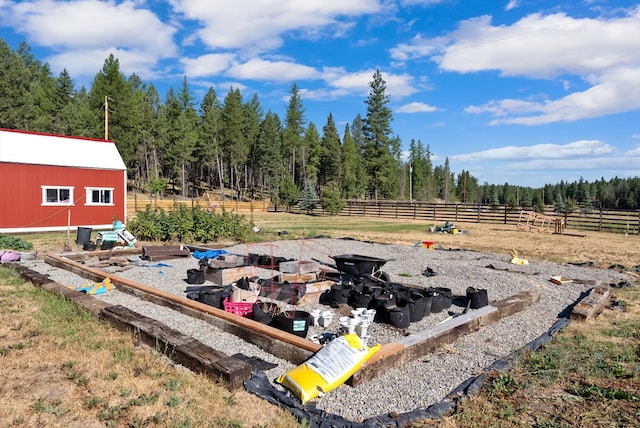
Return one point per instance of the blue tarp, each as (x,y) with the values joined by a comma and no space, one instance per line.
(210,254)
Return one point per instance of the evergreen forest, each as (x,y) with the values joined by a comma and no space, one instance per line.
(175,144)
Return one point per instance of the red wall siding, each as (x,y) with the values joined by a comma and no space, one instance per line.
(21,196)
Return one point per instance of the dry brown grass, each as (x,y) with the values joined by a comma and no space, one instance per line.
(59,370)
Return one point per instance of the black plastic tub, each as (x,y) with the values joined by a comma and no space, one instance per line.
(195,276)
(356,265)
(296,322)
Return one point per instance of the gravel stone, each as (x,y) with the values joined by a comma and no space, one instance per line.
(418,384)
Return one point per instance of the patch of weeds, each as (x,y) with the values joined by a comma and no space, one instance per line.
(111,376)
(5,349)
(542,422)
(41,407)
(111,414)
(230,400)
(144,399)
(504,385)
(68,365)
(626,329)
(9,276)
(125,392)
(234,424)
(184,423)
(172,401)
(405,275)
(506,411)
(596,392)
(92,402)
(148,421)
(123,354)
(172,384)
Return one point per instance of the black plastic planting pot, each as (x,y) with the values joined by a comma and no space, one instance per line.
(296,322)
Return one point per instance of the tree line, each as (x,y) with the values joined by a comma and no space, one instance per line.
(171,143)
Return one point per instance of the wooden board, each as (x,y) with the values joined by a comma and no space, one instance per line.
(420,344)
(181,348)
(592,304)
(227,275)
(297,277)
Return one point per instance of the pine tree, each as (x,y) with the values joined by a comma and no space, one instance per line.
(314,148)
(294,130)
(308,197)
(350,158)
(330,155)
(381,150)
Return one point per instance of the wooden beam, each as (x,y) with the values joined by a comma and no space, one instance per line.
(592,304)
(288,346)
(424,342)
(181,348)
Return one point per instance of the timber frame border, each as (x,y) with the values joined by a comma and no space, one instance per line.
(296,349)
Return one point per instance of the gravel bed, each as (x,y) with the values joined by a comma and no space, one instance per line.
(417,384)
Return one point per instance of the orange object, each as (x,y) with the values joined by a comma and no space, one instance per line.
(428,244)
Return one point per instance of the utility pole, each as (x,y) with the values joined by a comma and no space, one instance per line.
(410,182)
(106,116)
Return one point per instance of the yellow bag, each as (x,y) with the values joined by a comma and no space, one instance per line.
(328,368)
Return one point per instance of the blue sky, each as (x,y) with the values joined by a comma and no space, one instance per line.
(524,92)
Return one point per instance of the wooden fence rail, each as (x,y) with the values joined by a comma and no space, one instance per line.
(616,221)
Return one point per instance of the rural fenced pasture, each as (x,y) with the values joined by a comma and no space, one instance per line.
(600,220)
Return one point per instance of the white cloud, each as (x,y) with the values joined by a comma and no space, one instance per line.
(545,152)
(83,33)
(616,91)
(258,26)
(603,52)
(415,107)
(207,65)
(284,71)
(512,4)
(635,152)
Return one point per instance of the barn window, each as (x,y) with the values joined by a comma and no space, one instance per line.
(52,195)
(99,196)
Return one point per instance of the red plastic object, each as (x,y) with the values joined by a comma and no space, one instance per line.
(242,309)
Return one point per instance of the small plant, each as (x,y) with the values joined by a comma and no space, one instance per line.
(125,392)
(172,401)
(405,275)
(230,400)
(504,385)
(111,376)
(42,407)
(92,402)
(172,384)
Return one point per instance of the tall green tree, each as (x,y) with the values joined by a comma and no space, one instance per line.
(235,148)
(271,152)
(330,155)
(351,163)
(16,102)
(314,150)
(381,149)
(294,132)
(254,115)
(208,146)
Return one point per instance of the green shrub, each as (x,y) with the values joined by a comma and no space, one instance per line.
(187,224)
(14,243)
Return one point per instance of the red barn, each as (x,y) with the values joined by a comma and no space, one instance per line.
(50,182)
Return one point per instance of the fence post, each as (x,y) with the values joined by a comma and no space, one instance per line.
(600,221)
(414,210)
(397,209)
(479,213)
(456,216)
(434,211)
(135,202)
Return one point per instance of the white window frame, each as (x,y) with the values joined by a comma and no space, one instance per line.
(89,196)
(68,202)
